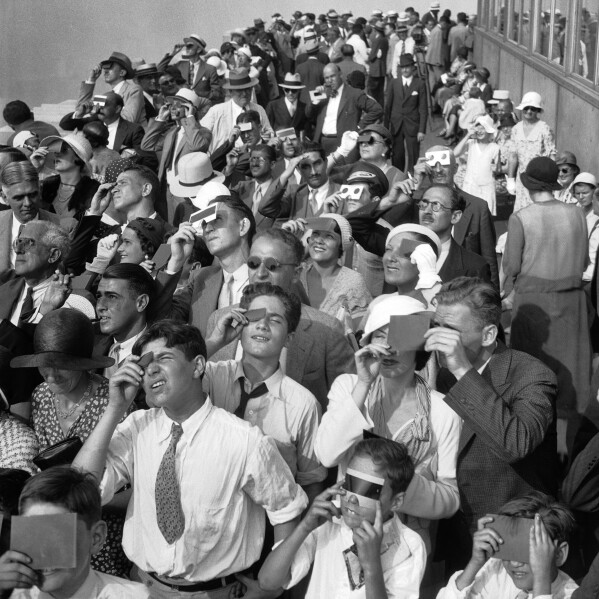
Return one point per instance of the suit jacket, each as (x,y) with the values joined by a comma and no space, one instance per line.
(159,137)
(246,190)
(132,94)
(316,356)
(311,72)
(128,134)
(378,64)
(206,82)
(356,110)
(461,262)
(406,111)
(9,295)
(508,443)
(279,117)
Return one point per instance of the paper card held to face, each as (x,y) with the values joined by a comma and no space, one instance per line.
(286,133)
(256,314)
(320,224)
(515,533)
(406,333)
(50,541)
(244,126)
(440,156)
(317,96)
(407,246)
(162,256)
(199,218)
(351,192)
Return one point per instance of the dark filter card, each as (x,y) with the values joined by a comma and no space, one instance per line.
(406,333)
(162,256)
(255,315)
(515,533)
(50,541)
(146,359)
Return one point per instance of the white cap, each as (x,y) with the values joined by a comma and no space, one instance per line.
(587,178)
(414,228)
(208,192)
(384,307)
(531,99)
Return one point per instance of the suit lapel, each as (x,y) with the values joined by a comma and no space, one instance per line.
(120,135)
(459,230)
(342,101)
(206,296)
(6,235)
(299,349)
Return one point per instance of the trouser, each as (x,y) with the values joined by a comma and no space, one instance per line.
(376,89)
(401,142)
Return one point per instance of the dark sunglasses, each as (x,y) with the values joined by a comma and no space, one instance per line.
(271,264)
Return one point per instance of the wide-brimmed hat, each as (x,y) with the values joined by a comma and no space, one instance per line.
(196,39)
(209,191)
(403,17)
(240,32)
(21,137)
(406,60)
(239,79)
(292,81)
(587,178)
(531,99)
(76,141)
(567,157)
(187,95)
(63,339)
(392,13)
(384,307)
(381,130)
(435,5)
(219,64)
(193,171)
(147,69)
(123,60)
(311,45)
(486,122)
(541,175)
(414,228)
(499,95)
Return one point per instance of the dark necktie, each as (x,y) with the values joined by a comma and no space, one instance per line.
(168,161)
(28,308)
(260,390)
(169,513)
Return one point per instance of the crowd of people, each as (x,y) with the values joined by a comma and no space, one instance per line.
(262,343)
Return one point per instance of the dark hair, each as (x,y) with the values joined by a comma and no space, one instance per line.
(72,489)
(16,112)
(288,239)
(184,337)
(462,17)
(347,50)
(356,79)
(18,172)
(312,146)
(270,152)
(96,133)
(457,201)
(474,92)
(116,98)
(240,209)
(147,175)
(250,116)
(356,29)
(394,458)
(13,155)
(556,517)
(175,73)
(12,481)
(481,297)
(138,279)
(291,303)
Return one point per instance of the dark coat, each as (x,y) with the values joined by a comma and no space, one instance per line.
(378,65)
(406,111)
(279,117)
(79,201)
(128,135)
(461,262)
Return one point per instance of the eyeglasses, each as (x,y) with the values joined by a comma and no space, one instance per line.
(22,244)
(291,91)
(435,206)
(531,109)
(565,169)
(271,264)
(369,142)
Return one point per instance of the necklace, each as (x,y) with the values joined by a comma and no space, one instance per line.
(84,397)
(64,193)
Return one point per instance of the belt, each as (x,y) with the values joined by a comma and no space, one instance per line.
(208,585)
(324,135)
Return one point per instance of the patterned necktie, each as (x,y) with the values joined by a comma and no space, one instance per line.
(403,48)
(28,308)
(169,513)
(260,390)
(313,203)
(191,73)
(257,199)
(114,353)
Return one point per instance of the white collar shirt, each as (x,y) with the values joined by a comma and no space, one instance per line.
(329,126)
(291,106)
(225,470)
(493,581)
(443,255)
(39,291)
(403,559)
(112,134)
(288,413)
(14,233)
(241,279)
(259,195)
(118,87)
(126,347)
(320,195)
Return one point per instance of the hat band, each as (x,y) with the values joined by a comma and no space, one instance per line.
(240,81)
(183,184)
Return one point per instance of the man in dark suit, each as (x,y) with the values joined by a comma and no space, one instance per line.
(121,132)
(200,76)
(405,113)
(319,351)
(289,110)
(508,443)
(345,109)
(378,63)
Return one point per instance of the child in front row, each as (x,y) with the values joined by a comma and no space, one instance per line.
(63,490)
(486,577)
(360,549)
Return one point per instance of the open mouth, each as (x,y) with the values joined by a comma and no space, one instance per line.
(260,339)
(158,384)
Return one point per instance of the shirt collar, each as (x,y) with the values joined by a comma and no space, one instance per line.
(128,344)
(273,382)
(241,274)
(264,185)
(190,427)
(117,88)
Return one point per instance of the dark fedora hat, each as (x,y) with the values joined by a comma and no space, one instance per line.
(63,339)
(239,79)
(123,60)
(406,60)
(541,175)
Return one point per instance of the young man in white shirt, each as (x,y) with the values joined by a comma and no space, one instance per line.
(202,479)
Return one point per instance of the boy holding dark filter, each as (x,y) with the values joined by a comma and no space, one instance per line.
(58,491)
(360,549)
(488,577)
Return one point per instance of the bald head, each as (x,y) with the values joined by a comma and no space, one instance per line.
(332,77)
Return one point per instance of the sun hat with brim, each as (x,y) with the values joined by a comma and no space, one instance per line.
(218,64)
(566,157)
(76,141)
(147,70)
(498,95)
(193,171)
(209,191)
(63,339)
(311,45)
(384,307)
(541,175)
(292,81)
(20,138)
(187,95)
(531,99)
(239,79)
(414,228)
(486,122)
(587,178)
(379,26)
(196,39)
(403,17)
(122,60)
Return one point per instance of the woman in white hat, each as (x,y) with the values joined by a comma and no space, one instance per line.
(584,189)
(531,137)
(332,288)
(483,154)
(386,397)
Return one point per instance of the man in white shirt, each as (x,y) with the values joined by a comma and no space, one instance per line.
(404,45)
(359,45)
(202,479)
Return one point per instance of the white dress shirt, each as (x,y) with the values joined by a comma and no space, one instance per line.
(329,126)
(39,291)
(14,233)
(125,348)
(403,559)
(241,279)
(260,190)
(320,195)
(291,106)
(288,413)
(407,81)
(360,50)
(117,88)
(443,255)
(96,586)
(112,134)
(493,582)
(229,475)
